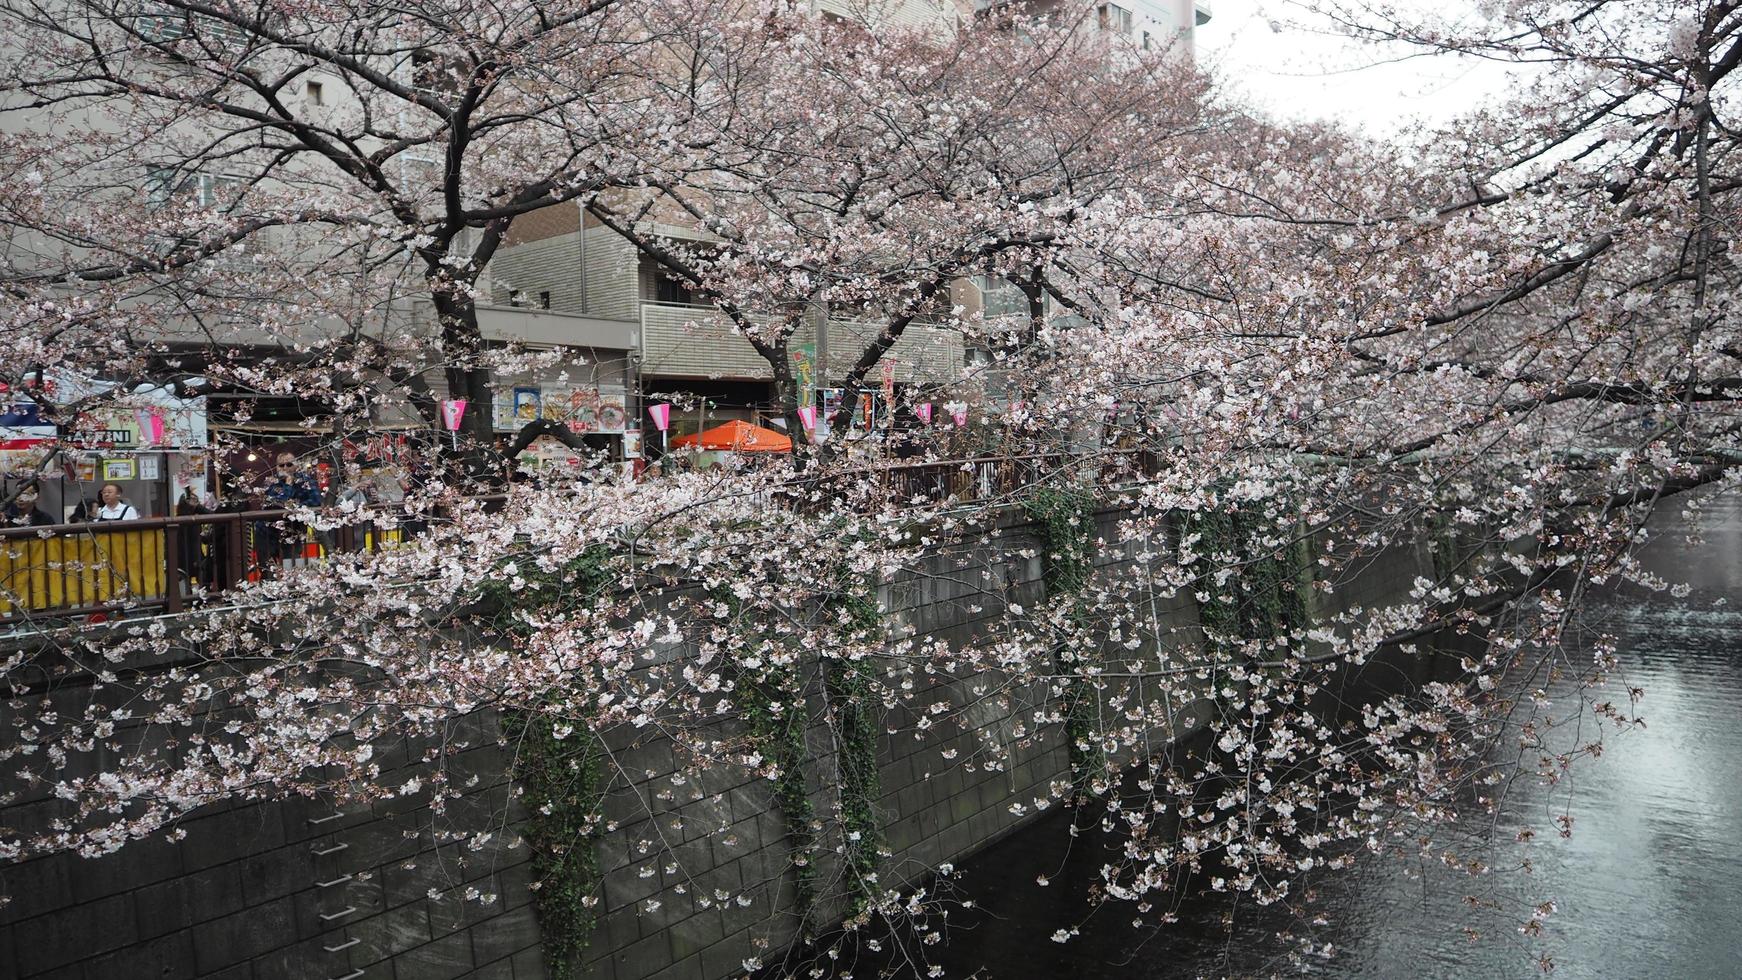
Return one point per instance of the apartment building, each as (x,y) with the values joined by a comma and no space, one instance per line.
(565,260)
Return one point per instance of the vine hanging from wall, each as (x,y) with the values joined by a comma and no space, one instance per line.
(561,776)
(768,695)
(558,765)
(1065,519)
(1264,597)
(854,720)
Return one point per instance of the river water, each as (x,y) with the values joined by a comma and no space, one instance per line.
(1649,885)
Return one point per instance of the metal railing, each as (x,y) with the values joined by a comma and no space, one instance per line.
(160,563)
(167,564)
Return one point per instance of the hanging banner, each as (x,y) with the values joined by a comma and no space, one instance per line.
(804,367)
(453,410)
(831,406)
(661,414)
(923,410)
(150,426)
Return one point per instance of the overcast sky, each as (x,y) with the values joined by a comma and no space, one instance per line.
(1301,74)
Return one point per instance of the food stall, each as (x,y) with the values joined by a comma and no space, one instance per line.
(149,441)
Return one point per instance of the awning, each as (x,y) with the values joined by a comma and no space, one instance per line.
(738,437)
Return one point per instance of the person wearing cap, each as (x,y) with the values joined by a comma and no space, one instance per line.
(283,540)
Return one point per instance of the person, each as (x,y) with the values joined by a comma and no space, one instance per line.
(292,487)
(193,558)
(188,504)
(289,488)
(110,506)
(23,509)
(222,536)
(354,495)
(349,499)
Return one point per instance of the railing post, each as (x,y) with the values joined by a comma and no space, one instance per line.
(235,549)
(172,570)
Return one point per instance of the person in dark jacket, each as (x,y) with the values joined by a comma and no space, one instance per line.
(23,510)
(188,536)
(290,487)
(224,537)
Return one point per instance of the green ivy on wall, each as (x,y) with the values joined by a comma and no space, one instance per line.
(771,707)
(1065,518)
(562,783)
(1265,597)
(559,767)
(853,709)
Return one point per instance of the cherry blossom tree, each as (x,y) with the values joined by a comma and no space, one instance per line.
(870,191)
(1278,357)
(213,176)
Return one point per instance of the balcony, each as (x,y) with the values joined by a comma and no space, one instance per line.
(554,329)
(680,341)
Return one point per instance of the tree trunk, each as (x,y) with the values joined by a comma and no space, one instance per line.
(473,444)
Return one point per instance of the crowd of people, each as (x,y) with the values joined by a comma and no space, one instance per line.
(204,548)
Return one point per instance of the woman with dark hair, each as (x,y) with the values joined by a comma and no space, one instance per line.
(24,510)
(192,555)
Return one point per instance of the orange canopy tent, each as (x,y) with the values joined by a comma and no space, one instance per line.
(737,437)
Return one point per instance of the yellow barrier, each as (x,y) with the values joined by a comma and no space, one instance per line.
(91,568)
(80,570)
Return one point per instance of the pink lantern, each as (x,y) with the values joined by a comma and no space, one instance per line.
(661,415)
(453,410)
(923,410)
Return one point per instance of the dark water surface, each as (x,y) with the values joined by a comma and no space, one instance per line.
(1649,885)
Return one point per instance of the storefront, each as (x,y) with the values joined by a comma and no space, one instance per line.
(149,442)
(585,391)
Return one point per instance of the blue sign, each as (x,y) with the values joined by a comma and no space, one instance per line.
(20,414)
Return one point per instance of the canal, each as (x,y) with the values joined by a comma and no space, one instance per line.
(1648,885)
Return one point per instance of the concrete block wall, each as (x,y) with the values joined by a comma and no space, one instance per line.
(696,871)
(292,890)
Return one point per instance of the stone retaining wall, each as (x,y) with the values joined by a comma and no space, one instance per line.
(295,890)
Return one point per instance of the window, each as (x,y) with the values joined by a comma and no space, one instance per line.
(1000,297)
(163,25)
(1114,18)
(544,299)
(517,297)
(166,184)
(313,93)
(669,290)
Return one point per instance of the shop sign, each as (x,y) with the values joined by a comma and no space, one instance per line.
(583,410)
(175,423)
